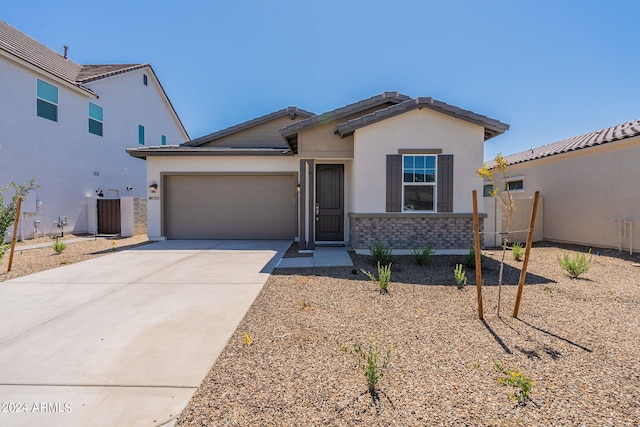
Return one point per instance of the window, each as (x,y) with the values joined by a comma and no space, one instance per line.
(140,134)
(487,190)
(164,140)
(47,101)
(145,80)
(514,184)
(95,119)
(419,182)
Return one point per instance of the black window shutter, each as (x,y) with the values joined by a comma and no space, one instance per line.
(394,183)
(445,183)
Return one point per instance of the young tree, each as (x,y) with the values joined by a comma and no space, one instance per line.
(502,192)
(8,206)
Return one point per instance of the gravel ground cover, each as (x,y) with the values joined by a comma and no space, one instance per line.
(579,340)
(35,260)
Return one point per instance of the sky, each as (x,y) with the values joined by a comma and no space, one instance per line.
(550,69)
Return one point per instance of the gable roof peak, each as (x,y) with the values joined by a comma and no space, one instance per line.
(290,111)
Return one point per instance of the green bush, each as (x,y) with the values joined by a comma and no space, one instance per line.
(471,258)
(580,263)
(381,253)
(384,277)
(59,246)
(517,251)
(514,378)
(368,361)
(422,256)
(3,249)
(460,276)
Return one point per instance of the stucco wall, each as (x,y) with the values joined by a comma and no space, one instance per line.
(69,163)
(417,129)
(322,142)
(586,191)
(156,166)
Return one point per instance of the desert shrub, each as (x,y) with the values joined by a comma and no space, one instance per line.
(384,277)
(517,251)
(576,265)
(460,275)
(422,256)
(59,246)
(369,362)
(471,258)
(381,254)
(514,378)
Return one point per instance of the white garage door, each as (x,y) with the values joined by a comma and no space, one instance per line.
(230,206)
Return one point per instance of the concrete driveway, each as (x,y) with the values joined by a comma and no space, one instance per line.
(125,339)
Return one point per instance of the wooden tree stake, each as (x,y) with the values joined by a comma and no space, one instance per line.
(527,249)
(476,235)
(15,231)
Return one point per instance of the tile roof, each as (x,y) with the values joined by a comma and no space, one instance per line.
(492,127)
(32,51)
(90,73)
(356,107)
(599,137)
(288,111)
(51,62)
(21,46)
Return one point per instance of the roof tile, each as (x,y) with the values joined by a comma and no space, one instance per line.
(603,136)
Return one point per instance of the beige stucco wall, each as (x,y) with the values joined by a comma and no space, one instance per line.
(586,191)
(264,135)
(496,220)
(416,129)
(157,165)
(322,142)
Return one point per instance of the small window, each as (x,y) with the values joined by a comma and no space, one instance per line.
(514,185)
(487,190)
(95,119)
(164,140)
(47,101)
(140,134)
(419,183)
(145,80)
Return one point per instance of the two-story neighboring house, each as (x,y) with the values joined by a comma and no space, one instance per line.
(67,125)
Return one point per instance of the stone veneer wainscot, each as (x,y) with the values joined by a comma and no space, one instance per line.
(442,231)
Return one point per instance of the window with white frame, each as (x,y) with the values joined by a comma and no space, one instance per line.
(419,182)
(47,100)
(95,119)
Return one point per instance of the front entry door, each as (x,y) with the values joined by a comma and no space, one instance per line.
(330,203)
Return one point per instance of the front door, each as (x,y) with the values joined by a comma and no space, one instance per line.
(330,203)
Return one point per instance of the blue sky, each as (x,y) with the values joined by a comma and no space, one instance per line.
(551,69)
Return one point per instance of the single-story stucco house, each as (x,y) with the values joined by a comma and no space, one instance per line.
(390,170)
(590,184)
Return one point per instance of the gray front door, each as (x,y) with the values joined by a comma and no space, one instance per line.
(330,203)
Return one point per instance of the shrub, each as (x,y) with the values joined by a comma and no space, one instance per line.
(580,263)
(384,277)
(517,251)
(514,378)
(368,362)
(381,253)
(59,246)
(460,276)
(471,258)
(422,256)
(3,249)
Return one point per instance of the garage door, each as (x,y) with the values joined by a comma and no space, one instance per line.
(230,206)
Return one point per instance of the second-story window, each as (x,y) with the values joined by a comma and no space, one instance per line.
(47,101)
(95,119)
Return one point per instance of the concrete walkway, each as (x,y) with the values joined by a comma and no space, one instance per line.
(127,338)
(322,257)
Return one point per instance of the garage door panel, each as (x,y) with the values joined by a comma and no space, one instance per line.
(230,206)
